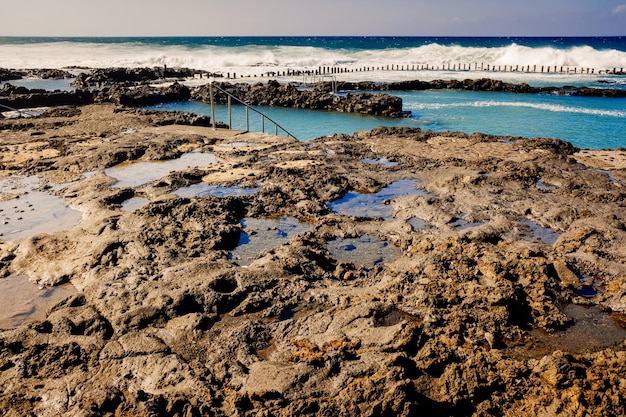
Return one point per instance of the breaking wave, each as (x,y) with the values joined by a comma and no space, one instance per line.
(212,56)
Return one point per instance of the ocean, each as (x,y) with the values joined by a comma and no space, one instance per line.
(586,122)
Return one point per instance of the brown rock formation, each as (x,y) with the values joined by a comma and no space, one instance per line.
(471,319)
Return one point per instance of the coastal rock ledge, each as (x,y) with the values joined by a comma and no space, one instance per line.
(506,295)
(142,94)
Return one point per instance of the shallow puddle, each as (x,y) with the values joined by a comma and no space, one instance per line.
(543,234)
(366,250)
(592,329)
(460,224)
(18,184)
(261,235)
(21,301)
(375,205)
(380,161)
(202,190)
(544,187)
(32,212)
(136,173)
(587,291)
(134,203)
(588,286)
(612,179)
(418,224)
(299,311)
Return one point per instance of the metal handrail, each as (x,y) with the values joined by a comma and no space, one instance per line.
(333,82)
(317,81)
(248,107)
(21,112)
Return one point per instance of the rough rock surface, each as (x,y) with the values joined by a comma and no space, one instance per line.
(481,84)
(142,95)
(22,97)
(44,73)
(465,322)
(136,93)
(7,74)
(103,77)
(287,95)
(49,74)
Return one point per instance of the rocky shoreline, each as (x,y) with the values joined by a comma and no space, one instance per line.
(478,314)
(270,94)
(136,87)
(482,84)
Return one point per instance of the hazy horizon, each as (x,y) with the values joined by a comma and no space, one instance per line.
(154,18)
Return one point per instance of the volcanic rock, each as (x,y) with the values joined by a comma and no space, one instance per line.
(467,321)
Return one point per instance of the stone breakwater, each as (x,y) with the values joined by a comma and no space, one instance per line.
(286,95)
(270,94)
(24,98)
(132,87)
(474,318)
(482,84)
(46,74)
(120,85)
(134,91)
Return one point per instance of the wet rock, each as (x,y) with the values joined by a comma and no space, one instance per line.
(101,77)
(483,84)
(8,75)
(20,97)
(146,95)
(617,300)
(557,371)
(49,74)
(164,323)
(567,276)
(274,94)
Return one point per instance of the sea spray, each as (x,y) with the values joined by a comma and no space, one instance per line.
(247,55)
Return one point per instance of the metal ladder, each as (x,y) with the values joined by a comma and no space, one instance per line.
(231,97)
(317,82)
(20,112)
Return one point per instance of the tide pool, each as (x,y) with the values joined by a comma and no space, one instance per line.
(586,122)
(305,125)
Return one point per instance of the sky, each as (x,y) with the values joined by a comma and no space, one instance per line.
(313,18)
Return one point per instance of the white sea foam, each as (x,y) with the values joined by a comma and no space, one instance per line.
(518,104)
(216,58)
(247,62)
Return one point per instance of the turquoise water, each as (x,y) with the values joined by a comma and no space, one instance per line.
(586,122)
(304,125)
